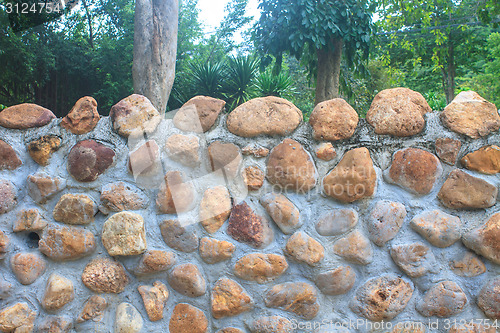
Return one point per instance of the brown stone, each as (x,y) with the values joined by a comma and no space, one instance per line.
(354,178)
(488,299)
(88,159)
(145,160)
(304,249)
(255,151)
(25,116)
(260,267)
(155,261)
(333,120)
(59,291)
(382,298)
(253,177)
(9,160)
(154,298)
(175,196)
(415,170)
(247,227)
(471,328)
(4,244)
(485,240)
(271,324)
(398,112)
(188,319)
(485,160)
(326,152)
(42,149)
(215,207)
(385,221)
(187,280)
(471,115)
(8,196)
(124,234)
(283,212)
(415,259)
(119,196)
(83,117)
(264,116)
(468,265)
(336,222)
(66,243)
(213,251)
(229,299)
(134,116)
(198,114)
(29,220)
(42,187)
(230,330)
(337,281)
(75,209)
(440,229)
(27,267)
(93,309)
(408,327)
(354,247)
(463,191)
(225,157)
(299,298)
(103,275)
(184,149)
(443,300)
(290,167)
(18,318)
(178,237)
(55,324)
(447,150)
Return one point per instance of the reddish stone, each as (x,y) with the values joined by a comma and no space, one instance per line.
(485,160)
(8,196)
(155,261)
(88,159)
(25,116)
(4,244)
(333,120)
(66,243)
(83,117)
(175,196)
(187,319)
(198,114)
(488,299)
(247,227)
(225,157)
(447,150)
(297,297)
(326,152)
(179,237)
(256,151)
(29,220)
(253,177)
(103,275)
(116,197)
(42,187)
(8,157)
(27,267)
(485,240)
(145,159)
(228,298)
(443,300)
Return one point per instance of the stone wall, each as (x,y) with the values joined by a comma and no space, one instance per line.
(252,221)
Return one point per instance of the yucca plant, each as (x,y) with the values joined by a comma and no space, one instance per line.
(238,86)
(207,78)
(268,84)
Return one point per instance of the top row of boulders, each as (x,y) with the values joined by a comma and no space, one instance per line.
(398,112)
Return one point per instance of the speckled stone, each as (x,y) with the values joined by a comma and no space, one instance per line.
(255,151)
(88,159)
(304,249)
(184,149)
(283,212)
(24,116)
(291,168)
(333,120)
(155,261)
(336,222)
(42,187)
(253,177)
(213,251)
(485,240)
(55,324)
(326,152)
(187,280)
(299,298)
(271,324)
(229,299)
(83,117)
(9,160)
(128,319)
(438,228)
(103,275)
(66,242)
(354,247)
(17,318)
(447,150)
(93,309)
(120,196)
(42,149)
(414,259)
(385,221)
(59,291)
(215,207)
(124,234)
(178,237)
(230,330)
(154,298)
(4,244)
(488,299)
(468,265)
(29,220)
(444,300)
(225,158)
(337,281)
(75,209)
(8,196)
(188,319)
(175,195)
(260,267)
(27,267)
(134,115)
(382,298)
(198,114)
(248,227)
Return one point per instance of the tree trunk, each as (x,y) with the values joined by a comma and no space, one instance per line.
(327,78)
(155,48)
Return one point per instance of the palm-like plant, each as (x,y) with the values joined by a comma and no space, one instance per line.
(268,84)
(207,78)
(238,86)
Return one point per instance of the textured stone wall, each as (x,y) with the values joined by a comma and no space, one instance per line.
(252,221)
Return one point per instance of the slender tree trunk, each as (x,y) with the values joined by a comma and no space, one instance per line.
(327,78)
(155,48)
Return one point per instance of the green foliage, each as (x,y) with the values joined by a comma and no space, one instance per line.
(269,84)
(436,101)
(206,78)
(238,85)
